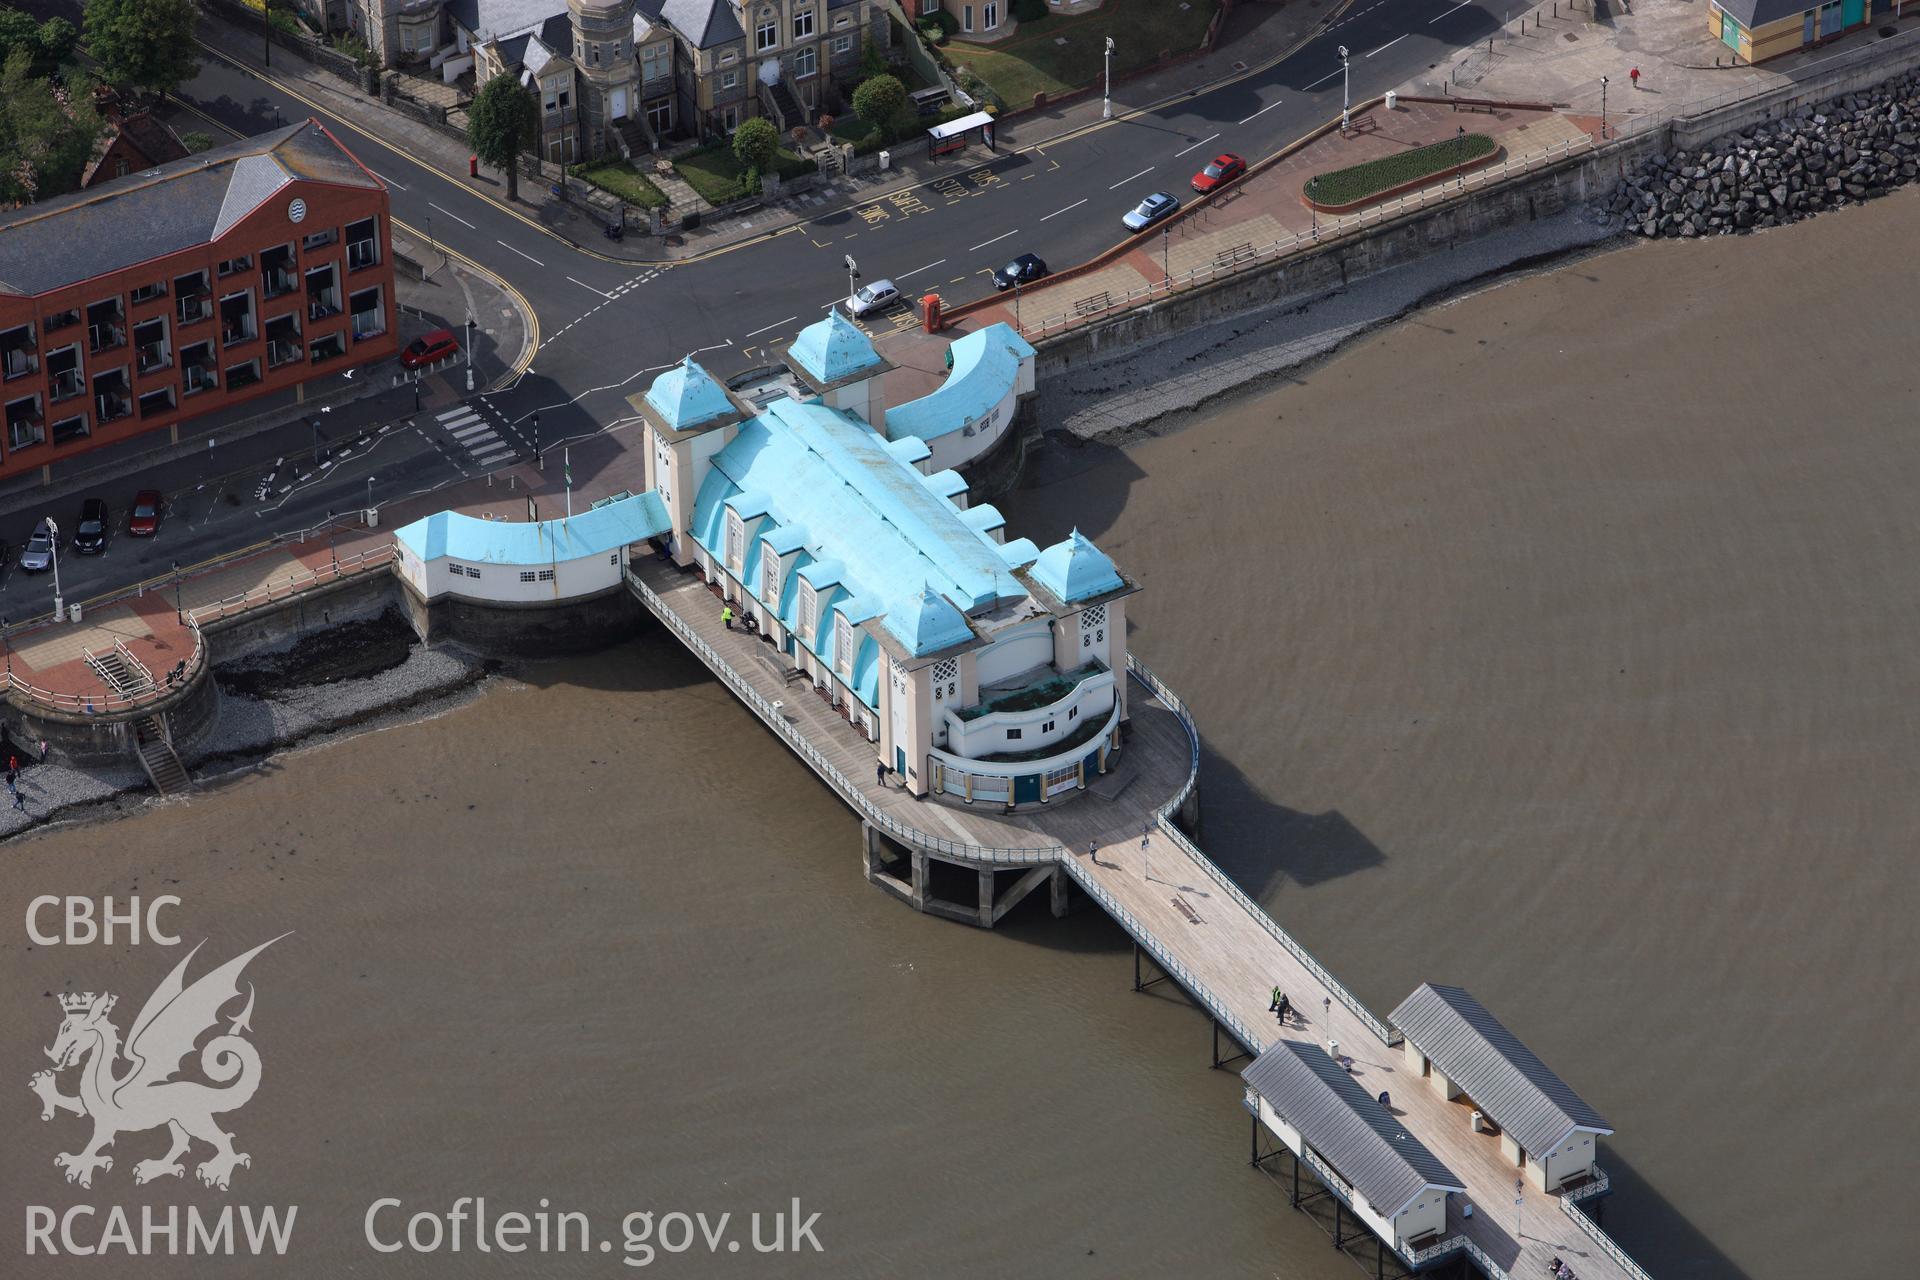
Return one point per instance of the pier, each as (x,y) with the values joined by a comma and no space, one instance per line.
(1187,919)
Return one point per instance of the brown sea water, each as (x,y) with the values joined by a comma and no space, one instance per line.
(1556,642)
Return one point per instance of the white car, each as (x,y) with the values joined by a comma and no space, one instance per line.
(877,296)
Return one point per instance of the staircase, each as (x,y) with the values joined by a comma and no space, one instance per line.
(122,673)
(636,139)
(782,105)
(157,756)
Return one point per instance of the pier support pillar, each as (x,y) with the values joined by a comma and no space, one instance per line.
(1337,1224)
(1190,812)
(1060,885)
(920,872)
(986,898)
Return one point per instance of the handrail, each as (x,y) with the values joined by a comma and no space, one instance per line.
(821,765)
(110,701)
(1601,1238)
(344,567)
(1163,957)
(1141,672)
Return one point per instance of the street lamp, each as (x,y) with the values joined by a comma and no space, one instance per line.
(537,455)
(369,494)
(1106,98)
(1603,108)
(1460,153)
(853,273)
(1313,209)
(1016,305)
(1346,86)
(1166,255)
(178,613)
(53,551)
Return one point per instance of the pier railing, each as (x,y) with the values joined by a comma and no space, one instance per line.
(1163,957)
(1601,1238)
(110,701)
(1141,672)
(827,770)
(279,589)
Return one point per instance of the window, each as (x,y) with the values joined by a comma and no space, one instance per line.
(617,46)
(805,62)
(243,375)
(545,575)
(729,80)
(1073,713)
(736,538)
(656,61)
(809,609)
(319,239)
(472,572)
(1013,735)
(766,35)
(770,578)
(454,569)
(363,242)
(990,15)
(527,576)
(966,18)
(593,55)
(729,118)
(929,7)
(803,24)
(842,643)
(148,292)
(70,429)
(121,168)
(234,266)
(843,44)
(1047,727)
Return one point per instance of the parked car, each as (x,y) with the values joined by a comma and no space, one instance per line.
(147,510)
(37,555)
(430,348)
(93,528)
(877,296)
(1149,211)
(1024,269)
(1224,168)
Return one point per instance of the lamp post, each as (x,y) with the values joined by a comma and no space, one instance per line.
(538,457)
(1346,88)
(1166,255)
(53,552)
(1106,97)
(1313,209)
(853,273)
(369,494)
(1603,108)
(179,615)
(1460,152)
(1016,305)
(469,352)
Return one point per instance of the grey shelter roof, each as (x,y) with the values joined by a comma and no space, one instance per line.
(1758,13)
(1500,1074)
(1350,1130)
(160,211)
(704,23)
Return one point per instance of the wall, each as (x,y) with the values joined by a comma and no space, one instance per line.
(987,735)
(1575,1156)
(86,740)
(540,630)
(276,626)
(508,583)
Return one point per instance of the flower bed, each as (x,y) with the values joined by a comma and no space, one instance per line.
(1375,179)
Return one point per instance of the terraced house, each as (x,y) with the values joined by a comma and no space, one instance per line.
(624,76)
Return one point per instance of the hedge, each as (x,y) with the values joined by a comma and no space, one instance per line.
(1356,182)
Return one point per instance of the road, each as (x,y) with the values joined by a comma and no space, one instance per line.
(606,326)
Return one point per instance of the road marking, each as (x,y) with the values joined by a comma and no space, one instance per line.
(389,181)
(1069,209)
(1124,181)
(493,459)
(590,289)
(529,257)
(1203,142)
(996,240)
(1389,44)
(456,217)
(775,325)
(455,412)
(1270,106)
(1449,13)
(1316,84)
(917,270)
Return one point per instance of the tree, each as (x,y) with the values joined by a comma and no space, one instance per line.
(755,142)
(501,124)
(879,99)
(195,143)
(50,44)
(47,133)
(143,44)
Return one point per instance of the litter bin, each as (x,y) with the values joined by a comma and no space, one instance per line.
(886,159)
(73,613)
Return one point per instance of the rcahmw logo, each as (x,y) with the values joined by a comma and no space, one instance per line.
(143,1082)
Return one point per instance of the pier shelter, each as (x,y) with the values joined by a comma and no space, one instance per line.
(1544,1128)
(502,562)
(1353,1144)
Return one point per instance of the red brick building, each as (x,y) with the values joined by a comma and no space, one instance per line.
(149,300)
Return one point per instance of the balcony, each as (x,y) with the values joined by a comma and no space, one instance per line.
(109,405)
(105,337)
(281,351)
(153,357)
(1035,777)
(233,335)
(198,377)
(61,320)
(18,356)
(24,424)
(1033,716)
(65,385)
(323,303)
(276,283)
(192,308)
(363,244)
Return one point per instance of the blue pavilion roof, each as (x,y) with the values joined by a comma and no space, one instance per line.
(1075,569)
(833,348)
(986,366)
(451,535)
(686,396)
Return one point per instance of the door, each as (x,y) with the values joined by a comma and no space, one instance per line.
(1026,789)
(990,15)
(660,117)
(1729,31)
(1830,19)
(1853,13)
(1807,32)
(619,109)
(900,761)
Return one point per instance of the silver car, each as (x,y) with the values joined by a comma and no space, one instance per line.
(1149,211)
(873,297)
(37,555)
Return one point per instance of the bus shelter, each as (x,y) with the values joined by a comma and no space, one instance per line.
(954,135)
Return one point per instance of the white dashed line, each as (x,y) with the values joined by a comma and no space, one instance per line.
(1389,44)
(590,289)
(996,240)
(389,181)
(1315,85)
(1449,13)
(456,217)
(775,325)
(917,270)
(1069,209)
(1203,142)
(1270,106)
(529,257)
(1124,181)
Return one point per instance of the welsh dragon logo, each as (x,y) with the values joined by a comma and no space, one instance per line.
(146,1095)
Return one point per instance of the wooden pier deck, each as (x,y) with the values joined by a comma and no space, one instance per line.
(1222,947)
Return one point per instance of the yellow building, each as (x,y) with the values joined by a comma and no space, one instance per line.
(1755,30)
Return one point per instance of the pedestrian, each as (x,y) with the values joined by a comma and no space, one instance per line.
(1273,1000)
(13,775)
(13,763)
(1092,854)
(44,749)
(1285,1009)
(19,801)
(880,774)
(1146,834)
(1634,75)
(1326,1006)
(726,615)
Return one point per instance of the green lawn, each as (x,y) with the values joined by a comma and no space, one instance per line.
(850,128)
(1357,182)
(716,174)
(624,181)
(1031,62)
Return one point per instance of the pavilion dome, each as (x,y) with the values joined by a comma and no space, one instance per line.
(1075,569)
(832,349)
(686,396)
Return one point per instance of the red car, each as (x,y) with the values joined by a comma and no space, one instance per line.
(429,349)
(147,509)
(1225,168)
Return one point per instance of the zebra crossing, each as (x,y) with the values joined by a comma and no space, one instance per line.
(480,439)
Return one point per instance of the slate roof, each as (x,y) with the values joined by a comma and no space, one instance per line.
(1349,1129)
(177,206)
(596,531)
(493,18)
(1502,1076)
(703,23)
(1758,13)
